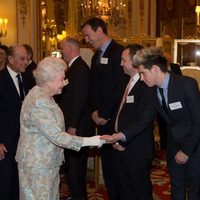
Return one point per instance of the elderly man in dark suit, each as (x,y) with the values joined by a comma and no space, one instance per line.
(134,157)
(108,82)
(74,102)
(11,97)
(177,99)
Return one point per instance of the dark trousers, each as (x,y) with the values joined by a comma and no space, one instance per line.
(133,177)
(108,168)
(9,180)
(76,173)
(162,132)
(185,178)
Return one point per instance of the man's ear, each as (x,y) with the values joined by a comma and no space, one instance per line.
(99,29)
(155,68)
(10,59)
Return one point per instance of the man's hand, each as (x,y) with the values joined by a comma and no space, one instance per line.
(98,120)
(118,147)
(181,158)
(110,139)
(3,150)
(71,131)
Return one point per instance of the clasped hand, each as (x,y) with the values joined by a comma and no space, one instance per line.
(98,120)
(112,139)
(181,158)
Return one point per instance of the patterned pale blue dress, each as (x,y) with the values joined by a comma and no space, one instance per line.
(40,153)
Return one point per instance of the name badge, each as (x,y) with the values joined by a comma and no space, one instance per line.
(175,106)
(130,99)
(104,61)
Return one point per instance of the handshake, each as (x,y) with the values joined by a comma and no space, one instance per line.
(98,140)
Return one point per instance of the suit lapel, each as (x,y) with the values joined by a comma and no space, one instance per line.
(9,84)
(159,107)
(25,84)
(135,87)
(171,91)
(108,50)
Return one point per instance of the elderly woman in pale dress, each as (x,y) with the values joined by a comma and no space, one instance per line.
(42,135)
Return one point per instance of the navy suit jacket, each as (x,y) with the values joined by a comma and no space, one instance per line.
(107,82)
(10,105)
(183,120)
(28,74)
(175,68)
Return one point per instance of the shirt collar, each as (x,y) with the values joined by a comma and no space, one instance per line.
(72,60)
(11,72)
(165,82)
(103,49)
(136,77)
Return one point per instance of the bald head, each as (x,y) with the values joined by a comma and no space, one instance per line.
(69,48)
(17,58)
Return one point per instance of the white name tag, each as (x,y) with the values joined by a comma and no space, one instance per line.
(104,61)
(175,105)
(130,99)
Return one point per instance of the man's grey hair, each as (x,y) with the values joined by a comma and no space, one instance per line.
(72,41)
(48,68)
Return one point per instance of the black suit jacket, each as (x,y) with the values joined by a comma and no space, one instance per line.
(139,141)
(183,120)
(175,68)
(108,82)
(28,74)
(74,100)
(10,105)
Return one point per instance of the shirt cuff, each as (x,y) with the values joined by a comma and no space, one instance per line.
(123,137)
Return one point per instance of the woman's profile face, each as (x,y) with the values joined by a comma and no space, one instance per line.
(58,83)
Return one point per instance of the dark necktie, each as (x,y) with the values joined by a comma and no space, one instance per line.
(21,87)
(98,62)
(98,57)
(164,105)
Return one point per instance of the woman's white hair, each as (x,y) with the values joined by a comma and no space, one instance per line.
(48,68)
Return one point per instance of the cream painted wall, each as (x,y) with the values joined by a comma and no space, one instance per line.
(8,10)
(19,33)
(28,29)
(143,22)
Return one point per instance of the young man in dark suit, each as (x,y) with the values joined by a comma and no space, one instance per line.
(10,105)
(74,102)
(107,84)
(133,160)
(177,99)
(162,127)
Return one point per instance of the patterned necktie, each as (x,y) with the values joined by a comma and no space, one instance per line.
(164,105)
(21,87)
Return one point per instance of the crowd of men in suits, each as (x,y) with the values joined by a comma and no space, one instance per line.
(119,95)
